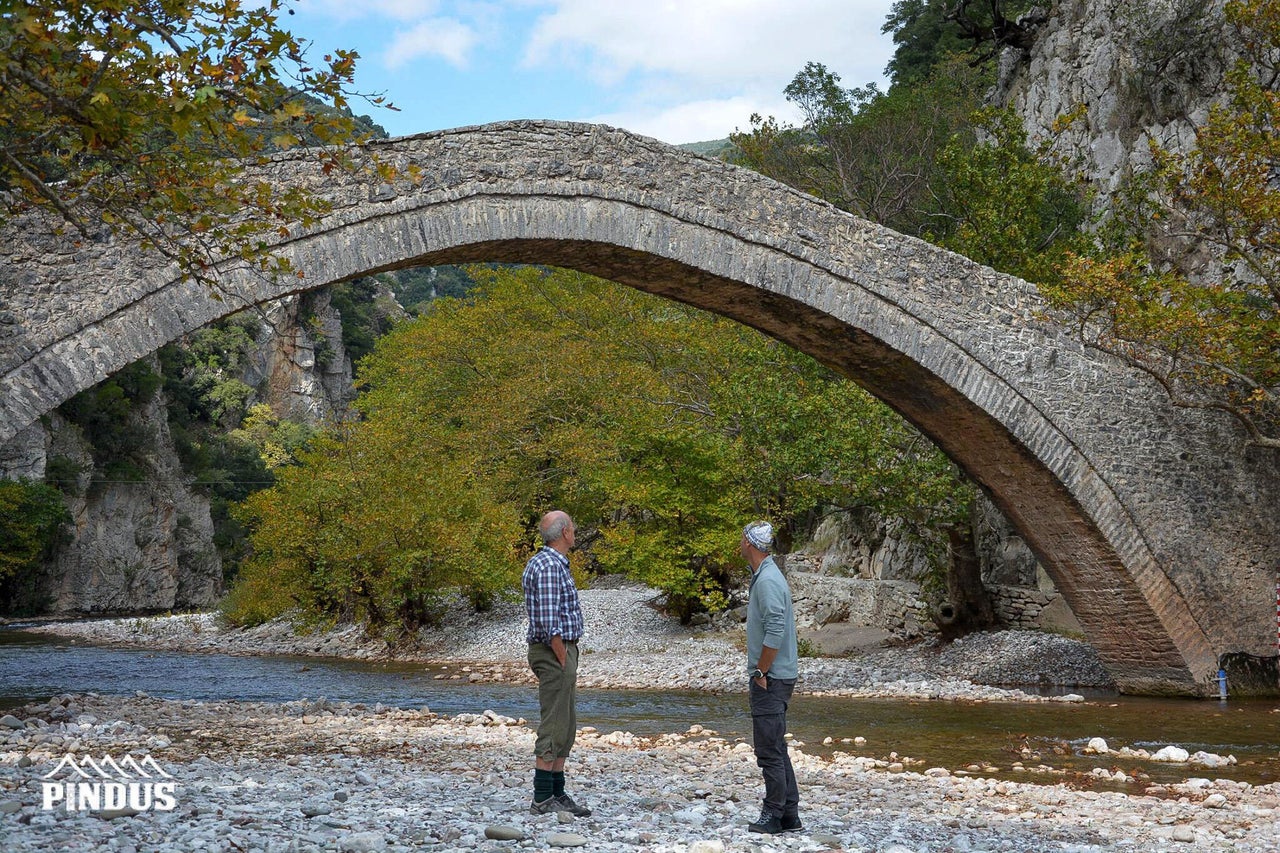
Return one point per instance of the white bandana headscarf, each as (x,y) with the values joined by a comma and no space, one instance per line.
(759,534)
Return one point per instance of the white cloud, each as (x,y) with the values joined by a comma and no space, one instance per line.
(713,42)
(446,38)
(680,70)
(697,121)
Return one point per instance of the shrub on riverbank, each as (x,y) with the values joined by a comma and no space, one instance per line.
(31,515)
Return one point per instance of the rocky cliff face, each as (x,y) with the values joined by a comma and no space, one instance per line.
(300,368)
(146,543)
(138,543)
(134,546)
(1131,71)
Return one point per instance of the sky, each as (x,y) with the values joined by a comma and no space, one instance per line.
(677,70)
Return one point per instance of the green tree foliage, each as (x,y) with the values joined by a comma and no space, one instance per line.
(1213,341)
(929,32)
(661,429)
(872,153)
(928,161)
(416,287)
(140,116)
(364,315)
(32,516)
(107,416)
(1003,204)
(202,373)
(277,440)
(228,445)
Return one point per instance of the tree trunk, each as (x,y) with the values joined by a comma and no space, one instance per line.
(968,608)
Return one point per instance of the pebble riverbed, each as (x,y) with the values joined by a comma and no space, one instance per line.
(313,775)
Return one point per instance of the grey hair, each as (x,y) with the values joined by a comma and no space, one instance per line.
(555,528)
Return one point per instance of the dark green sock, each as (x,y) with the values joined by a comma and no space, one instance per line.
(557,783)
(543,785)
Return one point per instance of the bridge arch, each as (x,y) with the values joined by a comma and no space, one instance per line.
(1156,523)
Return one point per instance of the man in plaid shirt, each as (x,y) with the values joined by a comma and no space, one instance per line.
(555,626)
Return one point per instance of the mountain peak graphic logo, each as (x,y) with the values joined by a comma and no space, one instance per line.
(128,768)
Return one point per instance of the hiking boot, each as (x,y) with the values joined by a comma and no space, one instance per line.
(768,823)
(547,806)
(791,823)
(568,805)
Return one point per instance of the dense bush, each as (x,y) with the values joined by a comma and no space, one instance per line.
(31,518)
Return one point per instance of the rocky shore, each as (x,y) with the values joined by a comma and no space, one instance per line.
(319,776)
(323,776)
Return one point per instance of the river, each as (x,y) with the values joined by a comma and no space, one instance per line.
(938,733)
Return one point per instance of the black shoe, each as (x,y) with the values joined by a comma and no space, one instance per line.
(568,805)
(547,806)
(768,823)
(791,824)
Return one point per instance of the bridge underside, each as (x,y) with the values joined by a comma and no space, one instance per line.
(1128,635)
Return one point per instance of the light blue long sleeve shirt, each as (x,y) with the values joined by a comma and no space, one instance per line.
(771,621)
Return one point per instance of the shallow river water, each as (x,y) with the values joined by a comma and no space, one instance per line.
(937,733)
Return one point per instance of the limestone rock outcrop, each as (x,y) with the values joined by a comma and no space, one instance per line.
(146,543)
(301,368)
(138,543)
(1130,73)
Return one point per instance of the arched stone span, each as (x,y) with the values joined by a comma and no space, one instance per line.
(1157,524)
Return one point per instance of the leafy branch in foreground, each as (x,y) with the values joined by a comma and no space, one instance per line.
(140,118)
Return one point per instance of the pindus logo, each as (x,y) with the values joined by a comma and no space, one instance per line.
(108,785)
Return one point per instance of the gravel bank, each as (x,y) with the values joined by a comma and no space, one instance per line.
(322,776)
(317,776)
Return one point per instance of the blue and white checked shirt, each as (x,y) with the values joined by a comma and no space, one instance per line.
(551,598)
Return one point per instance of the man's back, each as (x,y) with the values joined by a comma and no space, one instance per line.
(771,620)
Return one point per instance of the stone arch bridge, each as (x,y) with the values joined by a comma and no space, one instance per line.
(1160,526)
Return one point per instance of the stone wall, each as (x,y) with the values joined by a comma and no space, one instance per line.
(894,606)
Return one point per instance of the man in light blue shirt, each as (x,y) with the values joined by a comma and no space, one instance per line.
(773,665)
